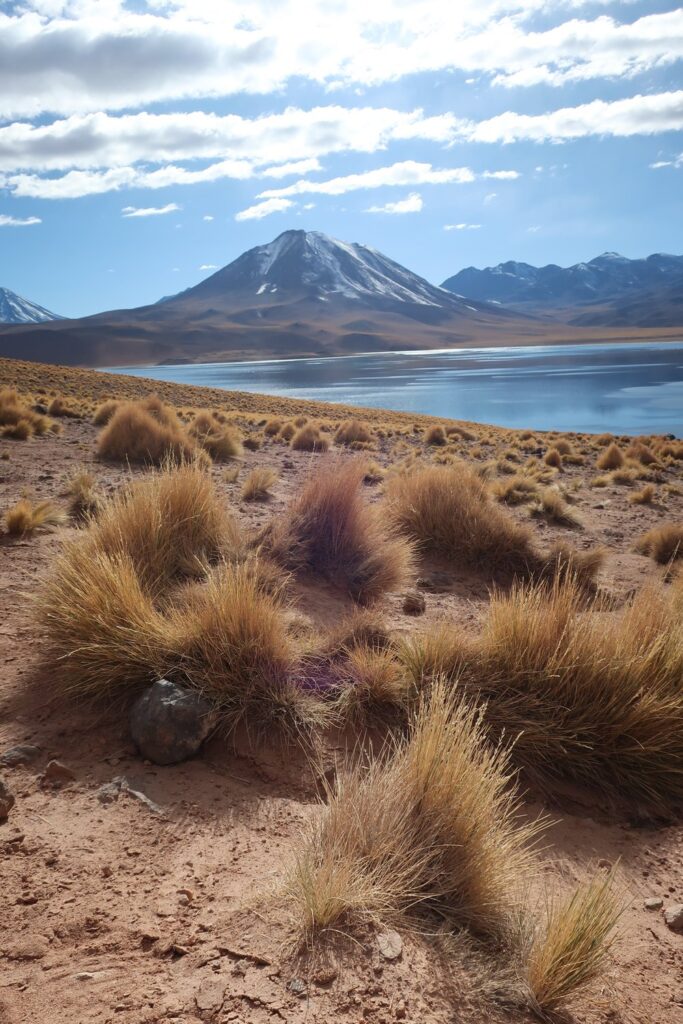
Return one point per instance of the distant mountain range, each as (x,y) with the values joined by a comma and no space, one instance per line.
(610,290)
(308,294)
(16,310)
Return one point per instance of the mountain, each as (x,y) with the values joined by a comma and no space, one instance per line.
(302,294)
(610,290)
(16,310)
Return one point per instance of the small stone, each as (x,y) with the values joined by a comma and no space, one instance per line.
(23,753)
(169,724)
(57,774)
(6,801)
(84,976)
(400,1010)
(654,903)
(436,581)
(110,791)
(673,915)
(210,995)
(414,603)
(390,944)
(297,986)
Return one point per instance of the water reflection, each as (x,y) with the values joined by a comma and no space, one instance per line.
(628,389)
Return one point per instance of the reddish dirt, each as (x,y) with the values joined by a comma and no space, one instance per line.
(117,913)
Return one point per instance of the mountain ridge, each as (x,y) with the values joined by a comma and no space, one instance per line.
(15,309)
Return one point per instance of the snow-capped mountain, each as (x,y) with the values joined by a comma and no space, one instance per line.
(308,265)
(609,279)
(16,310)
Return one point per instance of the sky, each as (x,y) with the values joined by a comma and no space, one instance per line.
(145,143)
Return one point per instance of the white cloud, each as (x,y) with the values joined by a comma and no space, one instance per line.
(18,222)
(293,167)
(490,198)
(461,227)
(676,162)
(502,175)
(264,209)
(411,204)
(150,211)
(406,172)
(75,57)
(534,229)
(209,266)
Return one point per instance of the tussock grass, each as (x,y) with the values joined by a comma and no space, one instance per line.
(309,439)
(353,432)
(105,411)
(219,441)
(140,432)
(84,500)
(18,421)
(516,490)
(570,949)
(432,822)
(435,435)
(589,695)
(272,427)
(19,431)
(257,485)
(363,627)
(59,407)
(25,517)
(552,506)
(663,543)
(447,511)
(553,458)
(611,458)
(330,530)
(373,684)
(643,497)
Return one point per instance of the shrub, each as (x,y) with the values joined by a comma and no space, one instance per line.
(218,441)
(287,432)
(435,435)
(570,950)
(84,500)
(447,511)
(136,434)
(433,821)
(663,543)
(642,453)
(19,431)
(272,427)
(257,485)
(330,530)
(553,458)
(611,458)
(25,517)
(17,421)
(58,407)
(516,490)
(373,683)
(104,412)
(309,439)
(353,432)
(552,506)
(643,497)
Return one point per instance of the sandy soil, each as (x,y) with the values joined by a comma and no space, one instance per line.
(122,912)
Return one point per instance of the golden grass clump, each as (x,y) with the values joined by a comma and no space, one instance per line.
(433,821)
(553,458)
(104,412)
(137,433)
(18,421)
(643,497)
(257,485)
(272,427)
(516,490)
(569,950)
(663,543)
(59,407)
(19,431)
(309,439)
(84,500)
(353,432)
(25,517)
(551,505)
(219,441)
(330,530)
(435,435)
(611,458)
(447,511)
(373,683)
(588,695)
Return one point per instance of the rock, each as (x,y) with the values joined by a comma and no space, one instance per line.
(110,791)
(436,581)
(673,916)
(169,724)
(390,944)
(654,903)
(23,753)
(297,986)
(57,774)
(414,603)
(6,801)
(210,995)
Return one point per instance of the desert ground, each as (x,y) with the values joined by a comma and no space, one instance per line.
(139,893)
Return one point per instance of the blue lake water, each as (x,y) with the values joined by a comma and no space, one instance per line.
(625,389)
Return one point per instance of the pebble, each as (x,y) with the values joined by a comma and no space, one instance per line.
(23,753)
(6,801)
(390,944)
(297,986)
(57,774)
(654,903)
(673,915)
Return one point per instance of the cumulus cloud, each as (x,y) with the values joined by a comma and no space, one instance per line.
(17,222)
(411,204)
(264,209)
(461,227)
(75,57)
(149,211)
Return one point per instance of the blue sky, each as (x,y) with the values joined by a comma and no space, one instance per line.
(144,143)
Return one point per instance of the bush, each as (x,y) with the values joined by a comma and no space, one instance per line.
(331,531)
(218,441)
(435,435)
(84,501)
(104,412)
(553,458)
(257,485)
(136,433)
(353,432)
(611,458)
(58,407)
(551,505)
(643,497)
(309,439)
(25,517)
(663,543)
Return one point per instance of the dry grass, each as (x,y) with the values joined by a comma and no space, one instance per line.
(330,530)
(516,490)
(257,485)
(663,543)
(84,500)
(219,441)
(552,506)
(553,458)
(590,695)
(433,822)
(59,407)
(373,684)
(136,434)
(435,435)
(643,497)
(611,458)
(570,950)
(353,432)
(104,412)
(447,511)
(18,421)
(309,439)
(25,517)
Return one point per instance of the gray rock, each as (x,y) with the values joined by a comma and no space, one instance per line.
(414,603)
(23,753)
(654,903)
(390,944)
(436,581)
(673,916)
(169,724)
(6,801)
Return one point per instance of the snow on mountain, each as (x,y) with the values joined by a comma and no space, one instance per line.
(16,310)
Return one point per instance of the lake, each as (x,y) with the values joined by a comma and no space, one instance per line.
(624,389)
